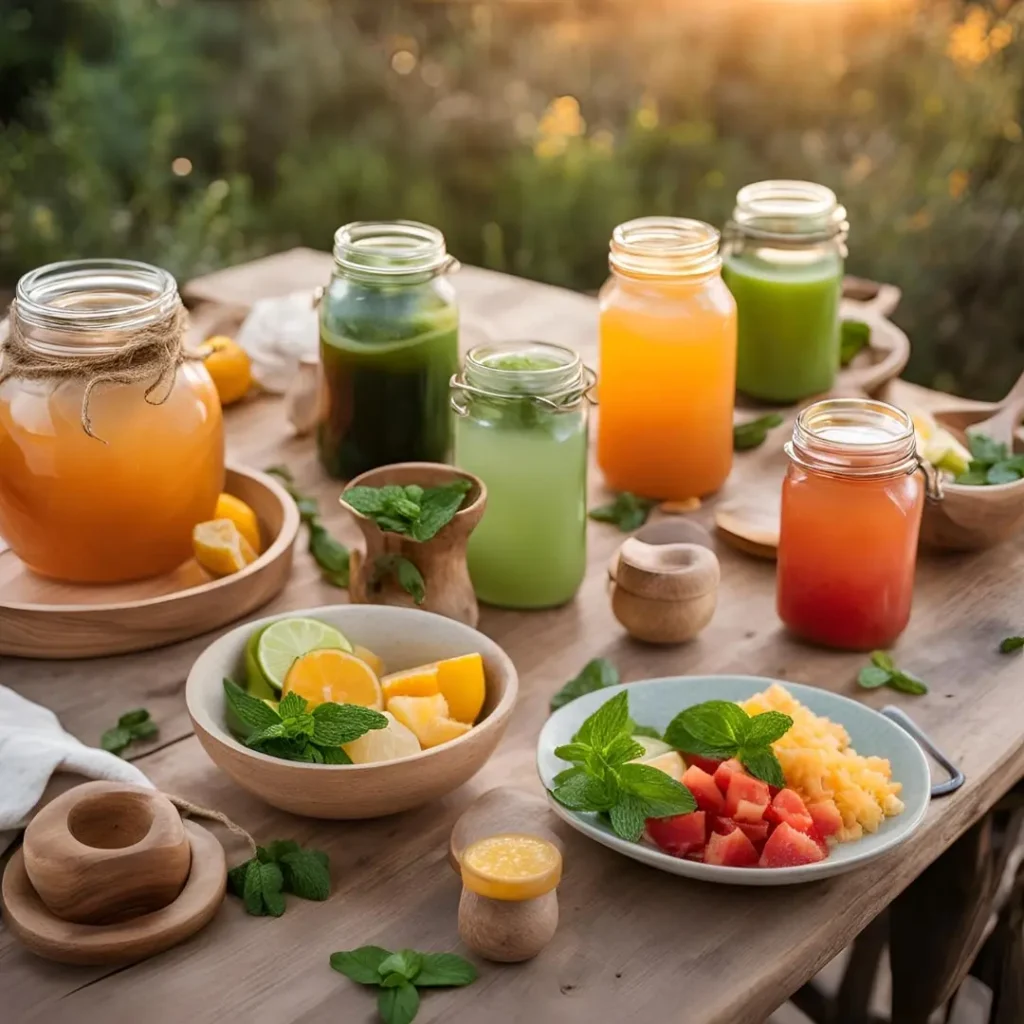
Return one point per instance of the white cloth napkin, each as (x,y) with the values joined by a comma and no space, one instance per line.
(32,747)
(278,334)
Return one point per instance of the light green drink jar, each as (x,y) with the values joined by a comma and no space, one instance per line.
(521,426)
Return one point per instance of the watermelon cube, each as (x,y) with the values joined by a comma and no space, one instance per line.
(746,790)
(788,807)
(679,835)
(705,764)
(734,850)
(725,771)
(708,796)
(787,847)
(826,817)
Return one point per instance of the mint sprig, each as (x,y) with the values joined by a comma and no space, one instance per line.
(628,512)
(1011,644)
(131,726)
(405,573)
(417,512)
(331,555)
(992,462)
(292,732)
(398,976)
(281,866)
(595,675)
(720,729)
(603,780)
(883,672)
(754,433)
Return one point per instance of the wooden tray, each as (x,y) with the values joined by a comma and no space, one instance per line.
(42,618)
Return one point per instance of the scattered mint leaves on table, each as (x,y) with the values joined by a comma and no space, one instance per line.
(628,512)
(595,675)
(883,672)
(330,554)
(417,512)
(408,577)
(131,726)
(720,729)
(603,780)
(1011,644)
(278,868)
(294,733)
(991,463)
(854,335)
(754,433)
(400,975)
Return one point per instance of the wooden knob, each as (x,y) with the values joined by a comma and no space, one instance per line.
(507,932)
(105,852)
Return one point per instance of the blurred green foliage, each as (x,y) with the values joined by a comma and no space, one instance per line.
(195,133)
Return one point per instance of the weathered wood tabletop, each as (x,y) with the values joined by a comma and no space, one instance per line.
(634,944)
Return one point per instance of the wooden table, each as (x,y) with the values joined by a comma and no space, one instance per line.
(634,944)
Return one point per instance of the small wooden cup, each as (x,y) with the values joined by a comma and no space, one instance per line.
(105,852)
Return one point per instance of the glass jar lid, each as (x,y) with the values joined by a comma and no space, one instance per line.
(664,247)
(552,375)
(854,437)
(391,249)
(789,211)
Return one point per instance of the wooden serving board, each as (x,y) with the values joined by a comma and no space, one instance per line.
(44,618)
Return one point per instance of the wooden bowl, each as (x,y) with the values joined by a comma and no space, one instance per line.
(42,618)
(403,638)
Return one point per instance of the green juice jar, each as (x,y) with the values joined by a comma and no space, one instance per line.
(783,256)
(521,426)
(389,344)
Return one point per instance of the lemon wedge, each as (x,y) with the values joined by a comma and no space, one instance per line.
(219,547)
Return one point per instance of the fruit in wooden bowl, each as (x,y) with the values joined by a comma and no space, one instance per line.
(419,754)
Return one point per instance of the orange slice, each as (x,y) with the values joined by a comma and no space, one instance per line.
(371,659)
(230,507)
(413,682)
(511,867)
(219,547)
(428,719)
(461,681)
(332,675)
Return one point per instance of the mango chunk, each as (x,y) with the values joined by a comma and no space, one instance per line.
(412,682)
(461,682)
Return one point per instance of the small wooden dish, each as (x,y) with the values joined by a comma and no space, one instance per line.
(43,618)
(403,638)
(110,874)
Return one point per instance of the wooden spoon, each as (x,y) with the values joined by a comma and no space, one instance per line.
(1000,426)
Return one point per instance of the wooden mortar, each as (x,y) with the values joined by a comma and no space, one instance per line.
(440,560)
(105,852)
(663,593)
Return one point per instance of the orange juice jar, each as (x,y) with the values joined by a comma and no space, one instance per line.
(111,444)
(668,361)
(851,511)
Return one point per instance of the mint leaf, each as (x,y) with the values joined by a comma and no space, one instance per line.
(408,577)
(360,965)
(262,889)
(406,963)
(663,795)
(398,1005)
(331,555)
(754,433)
(291,705)
(907,683)
(276,849)
(132,725)
(622,749)
(628,817)
(854,335)
(715,725)
(766,728)
(762,763)
(985,449)
(334,755)
(607,722)
(133,718)
(392,980)
(335,724)
(584,792)
(272,732)
(871,677)
(115,740)
(306,874)
(1011,644)
(444,970)
(882,659)
(595,675)
(1002,473)
(573,751)
(251,711)
(570,773)
(144,730)
(236,879)
(438,506)
(627,511)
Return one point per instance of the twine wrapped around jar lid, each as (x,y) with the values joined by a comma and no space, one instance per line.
(152,354)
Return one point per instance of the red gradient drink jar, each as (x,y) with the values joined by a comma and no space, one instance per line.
(851,511)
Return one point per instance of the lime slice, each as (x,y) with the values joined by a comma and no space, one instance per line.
(255,682)
(282,642)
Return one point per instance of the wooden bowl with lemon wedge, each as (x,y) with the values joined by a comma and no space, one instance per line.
(402,638)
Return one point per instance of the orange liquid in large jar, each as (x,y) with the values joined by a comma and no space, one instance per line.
(851,512)
(80,509)
(668,361)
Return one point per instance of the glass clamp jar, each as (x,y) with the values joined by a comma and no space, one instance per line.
(389,345)
(521,426)
(668,361)
(784,253)
(851,513)
(105,468)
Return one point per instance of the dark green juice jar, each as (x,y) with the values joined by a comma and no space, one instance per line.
(389,344)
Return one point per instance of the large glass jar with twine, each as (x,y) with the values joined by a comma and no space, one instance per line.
(111,438)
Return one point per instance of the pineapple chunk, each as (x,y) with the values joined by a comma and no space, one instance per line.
(428,718)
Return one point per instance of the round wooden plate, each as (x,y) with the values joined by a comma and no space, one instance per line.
(69,943)
(42,618)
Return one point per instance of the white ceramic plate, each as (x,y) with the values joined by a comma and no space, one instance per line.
(657,701)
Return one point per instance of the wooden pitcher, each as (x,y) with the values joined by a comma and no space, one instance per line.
(441,560)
